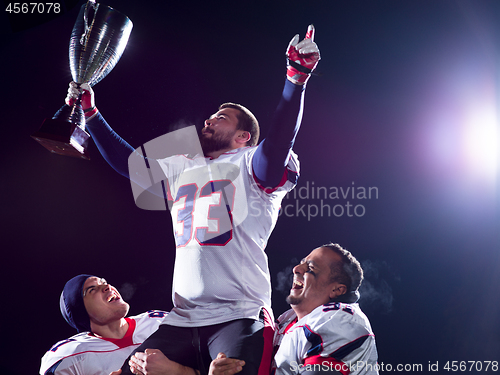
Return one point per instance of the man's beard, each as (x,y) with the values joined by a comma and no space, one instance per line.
(215,142)
(291,300)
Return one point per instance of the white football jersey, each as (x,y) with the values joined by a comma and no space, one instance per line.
(86,354)
(222,221)
(335,336)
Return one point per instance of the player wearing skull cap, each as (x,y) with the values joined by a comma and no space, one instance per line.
(221,288)
(105,336)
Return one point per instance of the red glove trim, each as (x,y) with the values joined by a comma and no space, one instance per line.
(89,112)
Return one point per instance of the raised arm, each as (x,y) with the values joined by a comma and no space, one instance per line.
(272,154)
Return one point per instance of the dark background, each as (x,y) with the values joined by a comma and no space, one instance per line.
(406,101)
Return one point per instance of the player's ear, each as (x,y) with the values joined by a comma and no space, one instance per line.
(337,290)
(243,137)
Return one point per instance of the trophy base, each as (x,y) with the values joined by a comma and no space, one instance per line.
(63,138)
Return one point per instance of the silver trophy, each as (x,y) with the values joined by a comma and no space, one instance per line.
(97,42)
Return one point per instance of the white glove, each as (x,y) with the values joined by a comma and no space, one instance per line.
(88,101)
(302,57)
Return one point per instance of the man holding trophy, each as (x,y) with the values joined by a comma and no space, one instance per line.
(97,42)
(221,288)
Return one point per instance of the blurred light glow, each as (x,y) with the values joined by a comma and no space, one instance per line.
(480,139)
(461,122)
(458,131)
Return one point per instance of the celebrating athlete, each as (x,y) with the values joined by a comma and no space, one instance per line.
(325,331)
(224,206)
(105,338)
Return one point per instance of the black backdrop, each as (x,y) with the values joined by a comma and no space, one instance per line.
(404,90)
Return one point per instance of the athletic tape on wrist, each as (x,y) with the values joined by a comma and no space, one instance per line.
(299,67)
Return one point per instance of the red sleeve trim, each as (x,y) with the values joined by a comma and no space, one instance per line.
(167,187)
(272,190)
(290,325)
(332,363)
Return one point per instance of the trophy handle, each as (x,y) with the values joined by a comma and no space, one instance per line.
(85,35)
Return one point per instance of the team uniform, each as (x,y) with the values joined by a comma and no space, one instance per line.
(335,336)
(86,354)
(222,221)
(221,277)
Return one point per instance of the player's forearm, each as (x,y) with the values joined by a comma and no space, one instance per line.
(287,118)
(272,155)
(188,371)
(112,147)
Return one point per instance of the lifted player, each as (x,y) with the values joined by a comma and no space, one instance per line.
(105,336)
(221,288)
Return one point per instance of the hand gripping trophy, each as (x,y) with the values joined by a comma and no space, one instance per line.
(97,42)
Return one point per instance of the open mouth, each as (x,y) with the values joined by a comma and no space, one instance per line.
(113,297)
(297,284)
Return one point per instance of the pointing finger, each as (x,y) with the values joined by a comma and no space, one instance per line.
(310,32)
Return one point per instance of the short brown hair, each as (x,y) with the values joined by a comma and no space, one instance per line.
(246,122)
(349,272)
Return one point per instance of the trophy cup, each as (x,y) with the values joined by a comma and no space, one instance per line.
(97,42)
